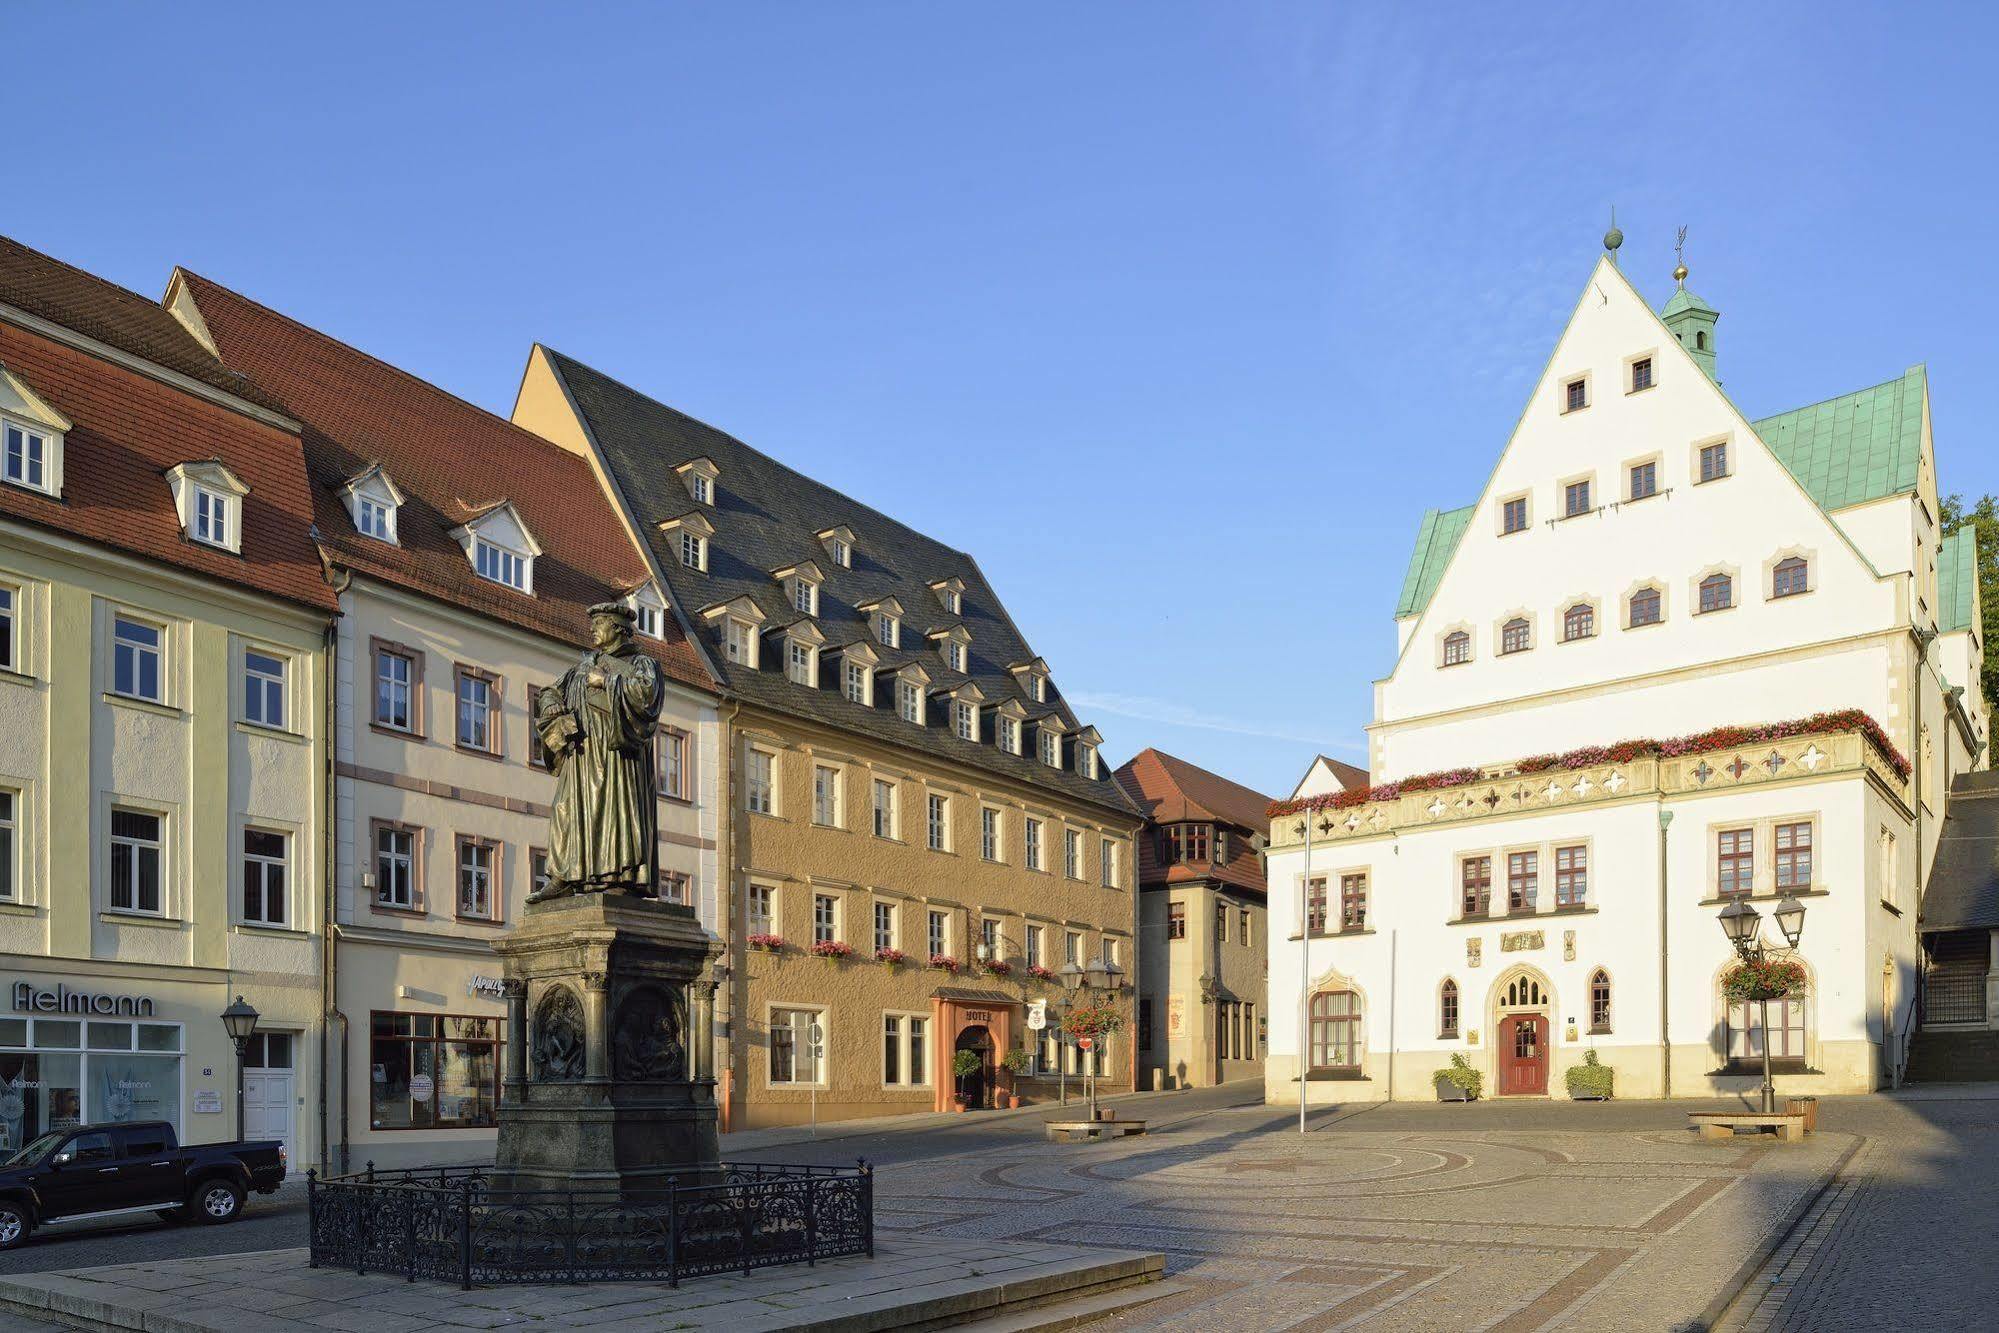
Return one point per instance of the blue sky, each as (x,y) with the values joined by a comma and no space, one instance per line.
(1176,316)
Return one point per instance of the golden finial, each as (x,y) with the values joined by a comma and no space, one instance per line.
(1680,253)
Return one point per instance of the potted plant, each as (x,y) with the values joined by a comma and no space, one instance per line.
(1590,1080)
(999,967)
(944,962)
(1459,1082)
(834,949)
(766,942)
(963,1065)
(891,958)
(1017,1062)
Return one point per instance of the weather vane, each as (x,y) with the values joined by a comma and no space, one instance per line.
(1680,253)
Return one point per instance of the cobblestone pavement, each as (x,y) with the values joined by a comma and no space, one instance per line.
(1905,1238)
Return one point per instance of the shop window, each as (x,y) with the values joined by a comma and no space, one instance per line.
(58,1073)
(430,1071)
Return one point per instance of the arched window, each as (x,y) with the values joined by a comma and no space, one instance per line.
(1788,579)
(1447,1009)
(1700,339)
(1579,622)
(1335,1030)
(1599,1001)
(1717,592)
(1645,606)
(1457,648)
(1513,636)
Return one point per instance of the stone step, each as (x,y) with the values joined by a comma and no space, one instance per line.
(1075,1312)
(1954,1057)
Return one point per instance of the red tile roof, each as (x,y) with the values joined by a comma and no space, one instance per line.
(1171,790)
(129,428)
(452,461)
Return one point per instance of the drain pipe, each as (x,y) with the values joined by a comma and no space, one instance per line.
(1665,968)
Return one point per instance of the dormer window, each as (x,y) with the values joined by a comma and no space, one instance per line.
(839,544)
(693,550)
(31,435)
(888,630)
(210,501)
(1032,677)
(909,700)
(805,596)
(27,457)
(1009,734)
(801,662)
(648,611)
(702,489)
(950,595)
(1086,759)
(737,623)
(965,719)
(373,501)
(699,476)
(952,646)
(739,642)
(501,549)
(954,654)
(857,673)
(1051,747)
(801,586)
(689,535)
(374,518)
(500,565)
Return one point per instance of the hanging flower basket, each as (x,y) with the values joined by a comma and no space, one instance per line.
(768,943)
(1764,979)
(1092,1020)
(943,962)
(832,949)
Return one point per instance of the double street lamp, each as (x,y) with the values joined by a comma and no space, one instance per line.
(1742,924)
(1101,975)
(239,1020)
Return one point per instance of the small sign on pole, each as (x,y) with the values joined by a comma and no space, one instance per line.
(1085,1043)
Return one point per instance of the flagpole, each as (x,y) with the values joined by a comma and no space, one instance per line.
(1304,968)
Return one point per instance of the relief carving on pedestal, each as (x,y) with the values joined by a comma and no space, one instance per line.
(558,1035)
(646,1045)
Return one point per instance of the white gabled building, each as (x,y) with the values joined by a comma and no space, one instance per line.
(1644,563)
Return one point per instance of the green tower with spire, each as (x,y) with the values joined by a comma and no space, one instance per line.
(1690,318)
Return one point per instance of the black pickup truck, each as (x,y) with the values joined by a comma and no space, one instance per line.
(98,1170)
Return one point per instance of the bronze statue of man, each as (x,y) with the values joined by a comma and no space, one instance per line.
(598,723)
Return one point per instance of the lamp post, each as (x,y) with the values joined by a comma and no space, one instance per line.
(1101,975)
(239,1020)
(1741,924)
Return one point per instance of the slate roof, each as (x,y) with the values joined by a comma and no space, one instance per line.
(1857,447)
(128,429)
(766,517)
(1963,892)
(1957,575)
(1845,451)
(1171,790)
(452,462)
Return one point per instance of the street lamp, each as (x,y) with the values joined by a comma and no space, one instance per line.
(1741,923)
(1100,975)
(239,1020)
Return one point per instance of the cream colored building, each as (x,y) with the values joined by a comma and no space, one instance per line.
(466,552)
(163,726)
(917,820)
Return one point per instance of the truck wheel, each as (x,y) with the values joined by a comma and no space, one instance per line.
(14,1225)
(218,1201)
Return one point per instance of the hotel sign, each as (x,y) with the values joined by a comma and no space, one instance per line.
(60,999)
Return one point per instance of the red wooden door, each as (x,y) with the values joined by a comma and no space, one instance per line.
(1523,1054)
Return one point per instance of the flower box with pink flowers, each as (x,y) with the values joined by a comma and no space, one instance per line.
(832,949)
(768,943)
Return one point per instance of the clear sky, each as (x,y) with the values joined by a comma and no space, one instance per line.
(1176,316)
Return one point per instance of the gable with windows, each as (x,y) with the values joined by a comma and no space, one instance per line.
(699,476)
(839,544)
(31,437)
(373,502)
(954,645)
(648,610)
(884,621)
(500,547)
(738,626)
(858,663)
(209,499)
(950,595)
(688,537)
(801,586)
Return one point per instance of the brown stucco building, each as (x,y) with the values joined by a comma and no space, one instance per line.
(915,830)
(1203,945)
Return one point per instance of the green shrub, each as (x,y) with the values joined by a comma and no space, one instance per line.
(1460,1074)
(966,1063)
(1590,1078)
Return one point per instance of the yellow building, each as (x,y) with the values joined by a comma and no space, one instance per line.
(920,832)
(163,706)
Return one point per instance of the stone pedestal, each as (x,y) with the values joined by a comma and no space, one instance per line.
(608,1081)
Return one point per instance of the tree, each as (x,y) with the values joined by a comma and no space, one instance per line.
(1984,519)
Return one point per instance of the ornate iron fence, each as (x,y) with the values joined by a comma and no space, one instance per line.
(452,1224)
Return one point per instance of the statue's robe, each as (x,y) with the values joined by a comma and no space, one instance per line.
(604,830)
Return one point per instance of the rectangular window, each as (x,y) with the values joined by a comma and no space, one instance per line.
(1315,906)
(1051,748)
(135,862)
(373,519)
(1571,876)
(825,914)
(263,688)
(395,690)
(499,565)
(825,796)
(939,938)
(478,879)
(909,702)
(135,659)
(739,643)
(1176,921)
(1107,863)
(1714,461)
(1794,856)
(854,681)
(211,517)
(805,597)
(1523,880)
(9,600)
(478,711)
(1644,480)
(673,764)
(264,861)
(884,926)
(989,939)
(1242,926)
(763,914)
(1221,923)
(1009,735)
(1735,862)
(884,809)
(1072,853)
(700,489)
(1035,953)
(1188,842)
(892,1049)
(794,1056)
(27,457)
(1575,498)
(431,1071)
(1641,374)
(693,550)
(888,630)
(905,1050)
(395,867)
(757,782)
(965,721)
(798,662)
(8,846)
(989,834)
(676,886)
(1576,395)
(1072,946)
(1787,1033)
(1476,873)
(1353,902)
(1034,848)
(1513,514)
(939,821)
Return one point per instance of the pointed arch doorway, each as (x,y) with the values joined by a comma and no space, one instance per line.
(1523,1031)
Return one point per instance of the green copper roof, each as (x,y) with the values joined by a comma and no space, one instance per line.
(1684,300)
(1436,539)
(1957,567)
(1859,447)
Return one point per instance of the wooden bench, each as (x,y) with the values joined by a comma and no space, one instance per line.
(1077,1131)
(1789,1126)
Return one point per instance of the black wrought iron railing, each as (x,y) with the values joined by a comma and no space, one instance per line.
(1954,997)
(452,1224)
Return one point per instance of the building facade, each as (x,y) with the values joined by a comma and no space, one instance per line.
(1532,880)
(1203,932)
(163,725)
(466,553)
(920,832)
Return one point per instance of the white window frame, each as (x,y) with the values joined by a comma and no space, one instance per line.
(10,844)
(760,781)
(259,684)
(937,931)
(801,662)
(156,845)
(825,796)
(1009,734)
(888,630)
(10,627)
(1037,843)
(909,701)
(739,641)
(857,682)
(485,876)
(797,1021)
(406,858)
(693,550)
(139,652)
(825,918)
(1072,853)
(902,1027)
(502,565)
(804,595)
(1107,863)
(1086,759)
(375,517)
(992,835)
(884,805)
(885,913)
(38,470)
(264,866)
(938,817)
(965,720)
(1051,748)
(760,922)
(214,518)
